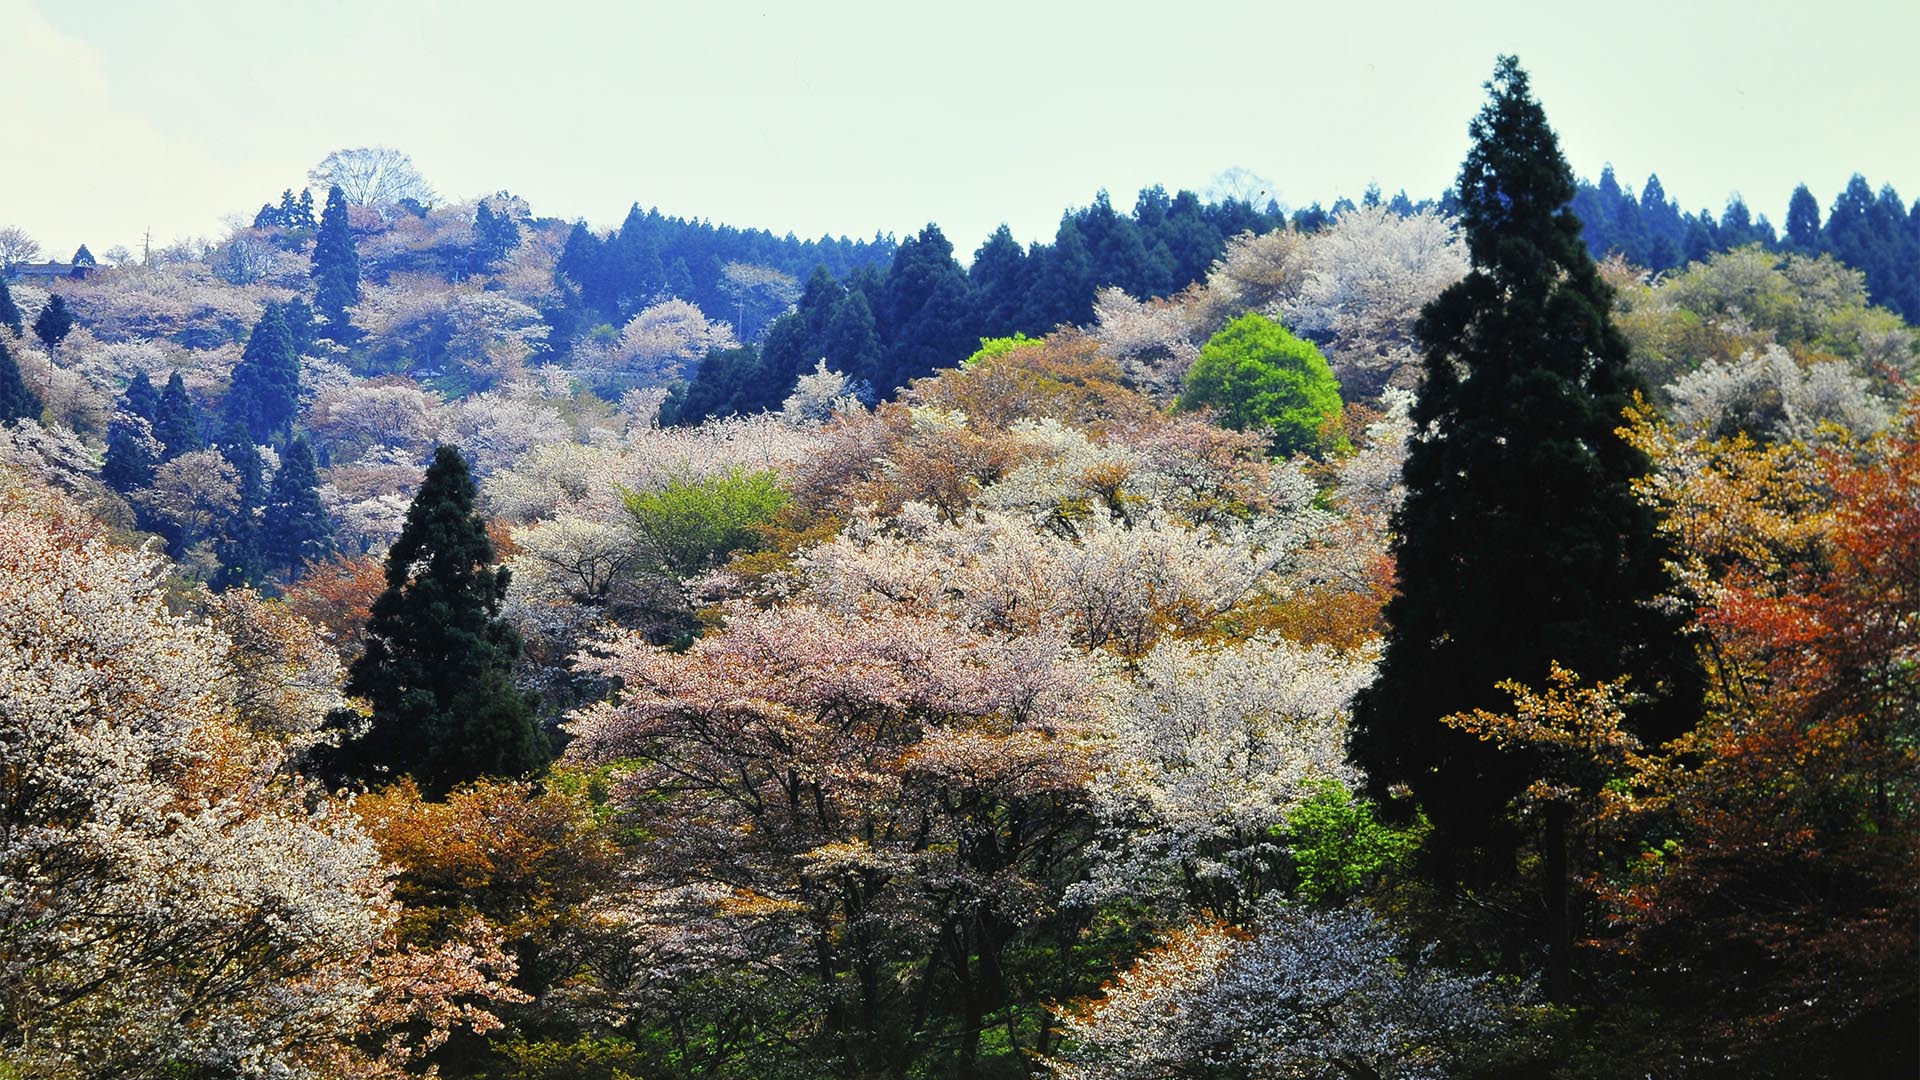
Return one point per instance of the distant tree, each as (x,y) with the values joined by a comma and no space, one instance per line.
(54,322)
(1262,378)
(302,211)
(17,247)
(438,663)
(17,402)
(1665,231)
(1520,541)
(690,526)
(494,235)
(729,382)
(9,311)
(336,265)
(176,422)
(242,553)
(373,176)
(141,399)
(297,530)
(999,276)
(265,393)
(1803,221)
(925,315)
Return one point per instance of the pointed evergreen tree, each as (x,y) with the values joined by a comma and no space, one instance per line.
(17,401)
(130,439)
(999,275)
(438,663)
(1803,221)
(336,265)
(176,422)
(302,211)
(54,322)
(265,393)
(852,345)
(297,531)
(129,463)
(926,320)
(1520,541)
(9,311)
(242,560)
(141,399)
(1666,232)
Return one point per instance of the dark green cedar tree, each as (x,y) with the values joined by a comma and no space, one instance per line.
(176,422)
(297,531)
(130,458)
(242,549)
(54,322)
(1803,221)
(265,393)
(17,400)
(10,316)
(1520,541)
(336,265)
(438,665)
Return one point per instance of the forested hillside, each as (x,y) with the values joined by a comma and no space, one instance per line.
(1470,637)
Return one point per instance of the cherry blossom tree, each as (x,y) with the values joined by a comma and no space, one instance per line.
(1321,994)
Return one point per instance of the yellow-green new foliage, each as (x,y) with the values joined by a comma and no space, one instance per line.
(1260,377)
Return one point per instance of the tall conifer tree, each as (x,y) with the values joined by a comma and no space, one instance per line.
(265,392)
(53,323)
(297,531)
(438,665)
(10,311)
(17,400)
(176,422)
(242,559)
(336,265)
(1520,541)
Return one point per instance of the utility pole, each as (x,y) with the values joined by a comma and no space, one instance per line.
(146,246)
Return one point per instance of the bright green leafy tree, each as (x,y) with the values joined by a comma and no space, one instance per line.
(1262,378)
(690,525)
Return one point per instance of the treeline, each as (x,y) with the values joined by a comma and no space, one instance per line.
(925,311)
(609,279)
(1875,234)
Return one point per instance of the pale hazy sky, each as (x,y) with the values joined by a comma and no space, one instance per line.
(116,115)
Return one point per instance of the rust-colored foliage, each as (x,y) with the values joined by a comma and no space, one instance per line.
(336,595)
(1785,906)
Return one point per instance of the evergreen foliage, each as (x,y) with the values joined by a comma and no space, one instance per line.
(10,316)
(297,531)
(1803,221)
(17,400)
(1262,378)
(141,399)
(494,236)
(265,394)
(1520,541)
(54,322)
(242,543)
(130,459)
(176,421)
(438,663)
(336,265)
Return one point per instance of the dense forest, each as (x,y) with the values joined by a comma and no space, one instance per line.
(1468,637)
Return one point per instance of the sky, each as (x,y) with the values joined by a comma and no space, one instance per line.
(121,116)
